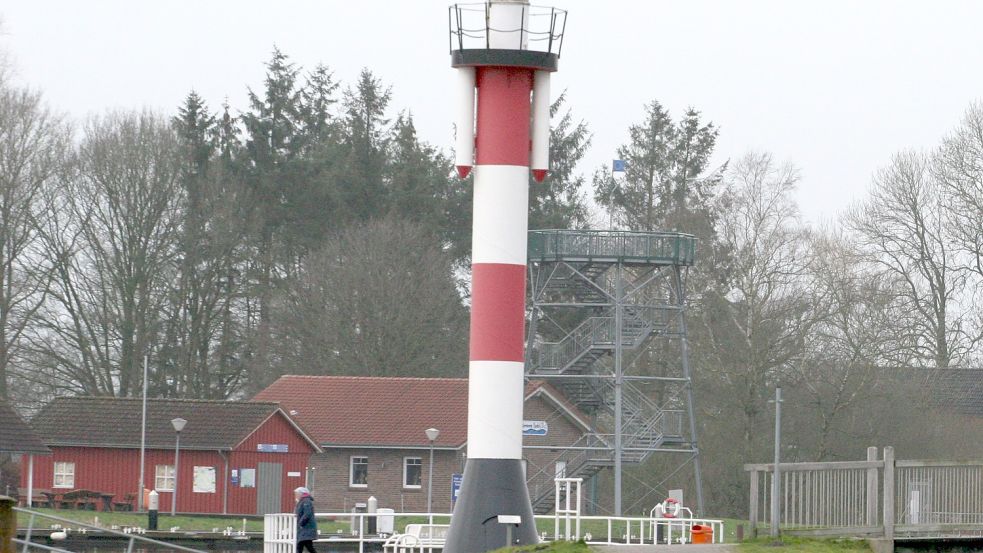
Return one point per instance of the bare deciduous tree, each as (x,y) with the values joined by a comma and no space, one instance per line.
(959,167)
(859,329)
(380,300)
(901,228)
(112,238)
(33,145)
(757,330)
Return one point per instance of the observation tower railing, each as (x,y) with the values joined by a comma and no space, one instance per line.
(612,245)
(540,29)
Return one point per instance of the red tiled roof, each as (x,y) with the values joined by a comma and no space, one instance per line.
(381,411)
(377,411)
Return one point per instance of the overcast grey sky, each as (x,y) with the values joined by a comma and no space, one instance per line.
(833,86)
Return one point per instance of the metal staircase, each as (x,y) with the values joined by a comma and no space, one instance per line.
(584,280)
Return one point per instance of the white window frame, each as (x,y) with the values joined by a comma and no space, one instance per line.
(67,474)
(406,465)
(160,480)
(351,471)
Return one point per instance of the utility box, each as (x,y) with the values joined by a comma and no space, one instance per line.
(386,520)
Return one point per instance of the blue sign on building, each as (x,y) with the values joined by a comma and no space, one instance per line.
(456,480)
(535,428)
(273,448)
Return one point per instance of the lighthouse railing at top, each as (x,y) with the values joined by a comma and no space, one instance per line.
(539,28)
(626,246)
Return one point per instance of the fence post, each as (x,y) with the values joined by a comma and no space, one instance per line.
(889,493)
(8,524)
(872,488)
(753,514)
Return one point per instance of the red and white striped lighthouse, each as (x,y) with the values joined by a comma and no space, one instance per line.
(502,120)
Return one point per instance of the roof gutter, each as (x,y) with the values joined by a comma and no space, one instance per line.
(377,446)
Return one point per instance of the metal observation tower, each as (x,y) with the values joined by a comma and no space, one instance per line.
(608,329)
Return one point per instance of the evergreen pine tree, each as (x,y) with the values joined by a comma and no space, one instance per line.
(559,202)
(361,182)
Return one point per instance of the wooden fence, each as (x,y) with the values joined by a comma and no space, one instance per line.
(876,497)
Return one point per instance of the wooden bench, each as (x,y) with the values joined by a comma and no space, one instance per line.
(38,497)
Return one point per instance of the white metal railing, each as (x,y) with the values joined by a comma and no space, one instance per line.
(649,530)
(567,507)
(280,533)
(279,530)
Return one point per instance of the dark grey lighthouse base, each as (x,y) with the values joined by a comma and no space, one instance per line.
(491,487)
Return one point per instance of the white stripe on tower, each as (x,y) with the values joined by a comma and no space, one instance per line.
(498,289)
(464,121)
(541,125)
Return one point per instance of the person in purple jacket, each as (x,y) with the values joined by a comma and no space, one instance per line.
(306,525)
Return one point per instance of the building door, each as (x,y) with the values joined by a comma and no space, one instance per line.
(269,477)
(561,469)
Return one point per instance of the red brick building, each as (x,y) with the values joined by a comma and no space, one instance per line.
(372,433)
(236,457)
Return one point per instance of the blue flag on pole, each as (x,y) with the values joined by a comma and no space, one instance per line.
(619,166)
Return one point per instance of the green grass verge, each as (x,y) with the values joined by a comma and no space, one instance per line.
(195,523)
(805,545)
(552,547)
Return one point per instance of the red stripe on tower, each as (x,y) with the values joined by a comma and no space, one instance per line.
(503,116)
(497,312)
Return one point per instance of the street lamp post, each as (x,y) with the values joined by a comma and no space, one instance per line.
(432,434)
(178,424)
(776,489)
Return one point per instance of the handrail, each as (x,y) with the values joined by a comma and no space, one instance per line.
(585,451)
(638,323)
(651,247)
(614,535)
(538,24)
(33,514)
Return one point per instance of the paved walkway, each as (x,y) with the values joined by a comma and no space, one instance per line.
(685,548)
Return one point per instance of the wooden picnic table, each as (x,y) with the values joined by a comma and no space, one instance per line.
(53,497)
(88,499)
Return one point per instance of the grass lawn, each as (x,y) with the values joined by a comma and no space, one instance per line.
(805,545)
(552,547)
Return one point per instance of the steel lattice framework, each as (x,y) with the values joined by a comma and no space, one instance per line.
(608,329)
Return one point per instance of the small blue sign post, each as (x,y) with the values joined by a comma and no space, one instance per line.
(456,480)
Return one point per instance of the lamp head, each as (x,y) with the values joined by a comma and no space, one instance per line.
(178,424)
(432,434)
